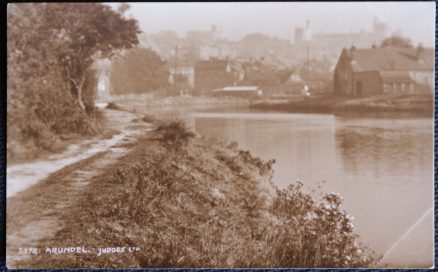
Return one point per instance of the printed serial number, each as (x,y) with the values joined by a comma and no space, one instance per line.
(27,250)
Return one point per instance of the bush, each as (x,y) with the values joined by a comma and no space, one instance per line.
(315,234)
(41,112)
(112,106)
(175,134)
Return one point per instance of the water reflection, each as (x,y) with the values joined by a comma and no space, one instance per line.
(395,150)
(297,144)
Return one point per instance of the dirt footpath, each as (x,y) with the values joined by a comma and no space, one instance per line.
(35,205)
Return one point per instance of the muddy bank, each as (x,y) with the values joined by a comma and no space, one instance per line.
(421,105)
(199,203)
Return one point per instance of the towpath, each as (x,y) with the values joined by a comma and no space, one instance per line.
(40,192)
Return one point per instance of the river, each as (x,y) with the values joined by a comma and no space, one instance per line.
(382,166)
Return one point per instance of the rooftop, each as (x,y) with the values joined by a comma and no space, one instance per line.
(391,59)
(212,64)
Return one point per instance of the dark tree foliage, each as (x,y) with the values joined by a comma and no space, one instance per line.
(51,83)
(396,42)
(138,70)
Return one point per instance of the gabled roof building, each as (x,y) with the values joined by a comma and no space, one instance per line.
(385,71)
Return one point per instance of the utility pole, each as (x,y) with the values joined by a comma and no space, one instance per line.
(176,67)
(307,62)
(176,57)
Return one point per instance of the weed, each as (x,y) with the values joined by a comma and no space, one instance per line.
(175,134)
(112,106)
(316,234)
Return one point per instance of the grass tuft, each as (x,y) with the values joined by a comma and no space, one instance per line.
(175,135)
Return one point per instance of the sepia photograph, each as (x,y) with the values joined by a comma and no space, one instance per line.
(220,135)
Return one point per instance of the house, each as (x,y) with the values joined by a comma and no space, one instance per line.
(213,74)
(296,85)
(185,72)
(385,71)
(239,91)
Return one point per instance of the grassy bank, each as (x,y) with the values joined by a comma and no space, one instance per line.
(30,140)
(187,201)
(416,104)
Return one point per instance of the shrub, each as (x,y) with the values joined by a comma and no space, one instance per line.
(175,134)
(316,234)
(112,106)
(41,111)
(233,145)
(148,118)
(264,167)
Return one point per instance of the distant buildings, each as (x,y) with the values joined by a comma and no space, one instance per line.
(219,49)
(213,74)
(327,45)
(303,33)
(186,72)
(198,37)
(385,71)
(362,38)
(203,60)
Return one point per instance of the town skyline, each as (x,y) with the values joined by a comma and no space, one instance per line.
(239,19)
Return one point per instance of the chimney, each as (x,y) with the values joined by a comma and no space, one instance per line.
(352,52)
(307,24)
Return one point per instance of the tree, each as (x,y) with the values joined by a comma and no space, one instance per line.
(396,42)
(51,49)
(82,33)
(138,70)
(123,8)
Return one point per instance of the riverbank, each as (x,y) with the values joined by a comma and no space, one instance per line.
(183,201)
(146,100)
(414,104)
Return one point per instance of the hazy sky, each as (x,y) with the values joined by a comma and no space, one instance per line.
(415,20)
